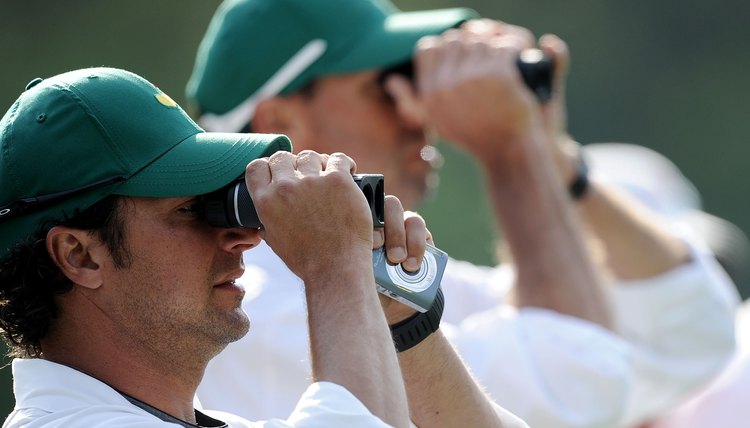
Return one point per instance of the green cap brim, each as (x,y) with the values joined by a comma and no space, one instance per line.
(395,41)
(223,157)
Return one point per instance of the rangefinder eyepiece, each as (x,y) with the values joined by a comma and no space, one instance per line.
(232,206)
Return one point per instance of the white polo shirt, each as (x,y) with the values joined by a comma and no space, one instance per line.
(53,395)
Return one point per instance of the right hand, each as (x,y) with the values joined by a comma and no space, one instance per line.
(314,214)
(472,89)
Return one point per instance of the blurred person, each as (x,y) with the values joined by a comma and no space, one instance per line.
(721,403)
(115,291)
(657,182)
(539,334)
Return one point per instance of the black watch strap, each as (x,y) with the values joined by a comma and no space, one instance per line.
(409,332)
(580,184)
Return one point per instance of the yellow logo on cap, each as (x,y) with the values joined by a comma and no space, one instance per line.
(165,100)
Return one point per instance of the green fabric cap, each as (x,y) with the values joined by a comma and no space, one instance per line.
(92,125)
(248,42)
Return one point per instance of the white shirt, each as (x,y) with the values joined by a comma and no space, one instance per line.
(549,369)
(723,403)
(53,395)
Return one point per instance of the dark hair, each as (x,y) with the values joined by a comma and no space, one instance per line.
(30,280)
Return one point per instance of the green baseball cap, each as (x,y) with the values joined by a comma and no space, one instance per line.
(256,49)
(72,139)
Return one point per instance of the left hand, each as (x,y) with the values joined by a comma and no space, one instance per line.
(405,237)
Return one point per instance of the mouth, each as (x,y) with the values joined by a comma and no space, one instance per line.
(230,288)
(230,281)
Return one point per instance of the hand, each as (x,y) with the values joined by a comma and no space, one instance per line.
(472,89)
(314,214)
(561,145)
(405,237)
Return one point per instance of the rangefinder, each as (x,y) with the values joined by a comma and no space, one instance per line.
(535,66)
(537,70)
(232,206)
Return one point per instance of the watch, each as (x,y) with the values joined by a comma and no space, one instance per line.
(580,184)
(411,331)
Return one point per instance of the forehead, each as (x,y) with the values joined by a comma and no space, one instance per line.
(347,80)
(143,204)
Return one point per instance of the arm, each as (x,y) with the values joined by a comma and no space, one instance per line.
(473,95)
(440,388)
(635,243)
(456,398)
(528,194)
(328,244)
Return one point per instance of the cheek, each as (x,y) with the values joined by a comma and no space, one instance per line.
(167,247)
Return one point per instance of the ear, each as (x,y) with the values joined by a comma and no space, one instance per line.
(78,255)
(280,115)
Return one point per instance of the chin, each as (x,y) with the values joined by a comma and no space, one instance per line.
(232,327)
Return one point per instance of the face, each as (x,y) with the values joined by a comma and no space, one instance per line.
(178,292)
(355,114)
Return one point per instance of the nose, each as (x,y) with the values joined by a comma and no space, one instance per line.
(239,239)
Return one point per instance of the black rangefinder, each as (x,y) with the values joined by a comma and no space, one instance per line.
(232,206)
(537,70)
(535,66)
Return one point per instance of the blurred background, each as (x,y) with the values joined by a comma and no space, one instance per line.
(668,75)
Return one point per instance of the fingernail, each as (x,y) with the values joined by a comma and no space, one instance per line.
(411,264)
(396,253)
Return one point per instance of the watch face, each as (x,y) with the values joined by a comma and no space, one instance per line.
(414,289)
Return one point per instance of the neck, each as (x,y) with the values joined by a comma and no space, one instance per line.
(162,378)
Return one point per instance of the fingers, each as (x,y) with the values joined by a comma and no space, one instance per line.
(558,50)
(340,163)
(257,175)
(309,162)
(395,232)
(283,165)
(406,235)
(416,240)
(458,55)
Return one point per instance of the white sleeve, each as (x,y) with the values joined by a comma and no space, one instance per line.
(549,369)
(327,404)
(681,328)
(674,332)
(470,288)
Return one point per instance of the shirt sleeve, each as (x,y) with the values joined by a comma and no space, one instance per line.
(323,405)
(673,333)
(680,326)
(547,368)
(326,404)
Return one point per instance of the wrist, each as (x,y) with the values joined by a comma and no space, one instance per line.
(410,332)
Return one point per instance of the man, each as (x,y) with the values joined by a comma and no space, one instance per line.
(333,78)
(116,291)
